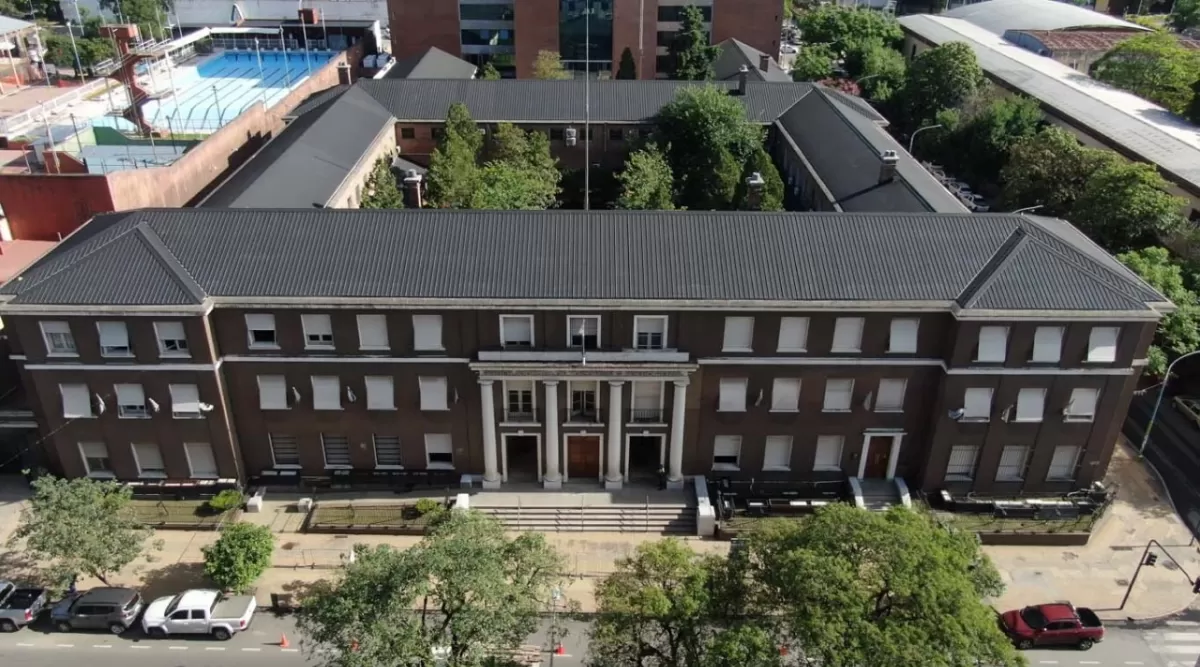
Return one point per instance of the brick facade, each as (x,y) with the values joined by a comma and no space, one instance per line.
(755,22)
(626,22)
(536,29)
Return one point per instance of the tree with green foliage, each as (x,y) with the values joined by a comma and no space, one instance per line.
(1192,112)
(878,69)
(239,556)
(489,72)
(81,526)
(977,140)
(1127,205)
(46,10)
(1178,332)
(626,67)
(453,173)
(1048,170)
(943,77)
(1185,15)
(769,196)
(814,62)
(647,183)
(520,172)
(150,16)
(548,65)
(742,645)
(845,28)
(381,189)
(691,54)
(1154,66)
(479,593)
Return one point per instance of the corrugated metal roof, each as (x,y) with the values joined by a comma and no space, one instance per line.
(735,54)
(9,24)
(999,16)
(433,64)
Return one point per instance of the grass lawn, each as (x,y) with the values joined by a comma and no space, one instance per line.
(986,523)
(183,513)
(740,524)
(368,518)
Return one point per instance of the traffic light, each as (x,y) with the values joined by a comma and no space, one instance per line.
(1151,559)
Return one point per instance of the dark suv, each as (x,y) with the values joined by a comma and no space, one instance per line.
(115,609)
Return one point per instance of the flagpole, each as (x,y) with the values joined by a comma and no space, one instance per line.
(587,108)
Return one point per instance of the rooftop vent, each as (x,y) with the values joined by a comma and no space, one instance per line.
(743,74)
(764,62)
(887,166)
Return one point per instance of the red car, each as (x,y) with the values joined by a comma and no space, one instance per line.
(1057,624)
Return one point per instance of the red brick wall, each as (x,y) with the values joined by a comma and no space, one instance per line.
(536,28)
(625,34)
(41,207)
(755,22)
(417,25)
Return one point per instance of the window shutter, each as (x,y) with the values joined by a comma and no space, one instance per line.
(285,450)
(962,462)
(1062,464)
(733,395)
(838,395)
(977,403)
(847,334)
(372,332)
(185,399)
(336,449)
(327,392)
(113,335)
(1083,403)
(785,394)
(1031,404)
(433,393)
(829,453)
(130,394)
(739,334)
(427,332)
(1012,463)
(387,451)
(793,334)
(149,459)
(260,321)
(993,344)
(1102,344)
(778,453)
(380,392)
(77,402)
(1047,345)
(272,392)
(903,338)
(170,330)
(647,395)
(517,330)
(200,458)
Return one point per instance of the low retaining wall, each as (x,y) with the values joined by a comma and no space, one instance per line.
(1034,539)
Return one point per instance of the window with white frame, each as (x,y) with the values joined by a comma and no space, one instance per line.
(201,462)
(1013,459)
(149,460)
(272,392)
(381,392)
(185,401)
(387,451)
(785,395)
(327,392)
(847,334)
(520,397)
(1082,406)
(733,395)
(1102,344)
(260,328)
(1031,404)
(977,404)
(1063,463)
(58,339)
(727,452)
(829,453)
(647,402)
(793,334)
(427,333)
(285,451)
(1047,345)
(583,332)
(963,459)
(318,331)
(585,401)
(777,452)
(650,332)
(172,340)
(993,345)
(838,395)
(114,339)
(372,332)
(95,459)
(891,395)
(902,339)
(516,331)
(77,401)
(336,449)
(131,401)
(439,450)
(739,335)
(433,394)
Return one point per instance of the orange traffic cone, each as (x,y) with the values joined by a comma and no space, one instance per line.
(560,650)
(283,642)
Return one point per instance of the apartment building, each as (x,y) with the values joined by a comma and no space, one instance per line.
(990,353)
(510,33)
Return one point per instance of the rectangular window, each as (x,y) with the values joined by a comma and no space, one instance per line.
(516,331)
(1062,464)
(260,328)
(785,395)
(58,338)
(583,332)
(131,401)
(77,401)
(1102,344)
(650,332)
(1082,406)
(201,462)
(272,392)
(1031,404)
(733,395)
(185,401)
(381,392)
(95,459)
(519,397)
(433,394)
(1012,463)
(556,134)
(337,450)
(172,340)
(963,459)
(584,401)
(903,336)
(829,453)
(372,332)
(647,402)
(777,454)
(327,392)
(318,331)
(993,345)
(977,404)
(114,339)
(614,134)
(149,461)
(387,451)
(408,133)
(285,451)
(427,333)
(727,451)
(838,395)
(847,334)
(891,395)
(439,451)
(739,334)
(1047,345)
(793,334)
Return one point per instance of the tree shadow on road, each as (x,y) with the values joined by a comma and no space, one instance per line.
(171,579)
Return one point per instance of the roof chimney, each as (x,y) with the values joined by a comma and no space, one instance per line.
(764,62)
(743,74)
(887,167)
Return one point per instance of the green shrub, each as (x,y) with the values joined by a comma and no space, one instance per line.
(239,556)
(229,499)
(426,506)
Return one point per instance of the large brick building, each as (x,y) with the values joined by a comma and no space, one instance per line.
(993,353)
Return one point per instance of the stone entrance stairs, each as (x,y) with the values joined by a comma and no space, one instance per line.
(588,512)
(880,494)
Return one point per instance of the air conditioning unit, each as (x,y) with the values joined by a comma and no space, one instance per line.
(571,136)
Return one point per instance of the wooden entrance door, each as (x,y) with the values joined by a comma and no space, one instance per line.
(879,449)
(583,457)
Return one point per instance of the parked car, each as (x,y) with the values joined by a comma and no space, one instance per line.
(199,612)
(1058,624)
(116,609)
(19,606)
(787,49)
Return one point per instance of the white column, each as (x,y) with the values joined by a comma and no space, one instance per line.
(491,472)
(613,479)
(552,479)
(675,455)
(894,455)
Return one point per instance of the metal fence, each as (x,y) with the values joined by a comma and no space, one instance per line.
(311,559)
(14,124)
(266,44)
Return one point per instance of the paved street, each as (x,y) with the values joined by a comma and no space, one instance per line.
(1172,450)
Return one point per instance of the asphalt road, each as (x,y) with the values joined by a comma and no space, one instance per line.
(1173,450)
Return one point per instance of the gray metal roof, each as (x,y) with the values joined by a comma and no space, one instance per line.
(143,257)
(999,16)
(9,24)
(736,53)
(433,64)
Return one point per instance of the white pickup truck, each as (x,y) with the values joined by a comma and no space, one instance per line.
(199,612)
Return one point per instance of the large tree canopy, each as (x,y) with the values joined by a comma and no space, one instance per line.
(647,182)
(1178,332)
(1126,205)
(943,77)
(1048,170)
(1154,66)
(844,28)
(690,52)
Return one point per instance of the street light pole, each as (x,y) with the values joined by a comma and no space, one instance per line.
(78,65)
(919,130)
(1162,389)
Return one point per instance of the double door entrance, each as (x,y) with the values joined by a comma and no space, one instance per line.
(582,455)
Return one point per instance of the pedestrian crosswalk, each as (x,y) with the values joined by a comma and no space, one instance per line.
(1176,643)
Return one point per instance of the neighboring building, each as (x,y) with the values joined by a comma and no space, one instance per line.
(735,55)
(511,33)
(433,64)
(1077,49)
(1001,16)
(990,353)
